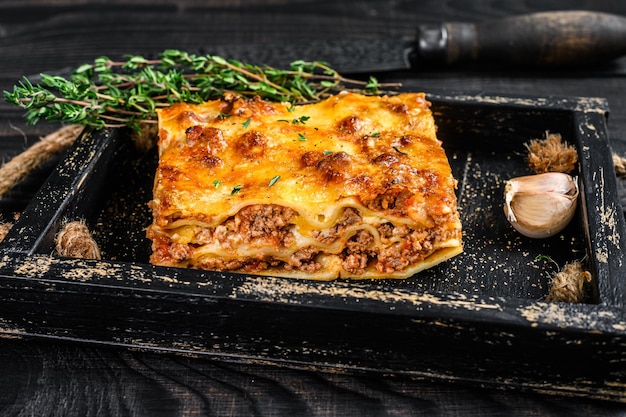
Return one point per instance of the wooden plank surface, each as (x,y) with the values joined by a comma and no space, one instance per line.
(59,378)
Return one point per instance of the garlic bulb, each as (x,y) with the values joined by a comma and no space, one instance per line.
(541,205)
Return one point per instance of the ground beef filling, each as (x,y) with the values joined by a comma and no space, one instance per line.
(268,222)
(272,224)
(262,224)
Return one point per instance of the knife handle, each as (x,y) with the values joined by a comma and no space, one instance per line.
(540,40)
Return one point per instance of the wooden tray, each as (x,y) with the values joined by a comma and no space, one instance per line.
(480,317)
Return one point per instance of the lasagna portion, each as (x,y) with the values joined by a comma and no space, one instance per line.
(351,187)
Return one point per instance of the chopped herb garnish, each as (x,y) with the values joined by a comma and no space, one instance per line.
(300,120)
(274,180)
(236,189)
(217,183)
(328,152)
(246,123)
(395,148)
(375,134)
(301,137)
(223,116)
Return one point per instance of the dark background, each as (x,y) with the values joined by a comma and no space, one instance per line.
(53,378)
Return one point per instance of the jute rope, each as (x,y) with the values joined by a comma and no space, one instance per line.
(42,151)
(551,154)
(568,286)
(74,240)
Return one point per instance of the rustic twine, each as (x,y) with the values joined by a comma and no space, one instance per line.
(75,241)
(568,285)
(22,164)
(551,154)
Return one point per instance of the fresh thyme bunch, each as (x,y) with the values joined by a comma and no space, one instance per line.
(108,93)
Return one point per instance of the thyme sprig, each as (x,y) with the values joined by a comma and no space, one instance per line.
(109,93)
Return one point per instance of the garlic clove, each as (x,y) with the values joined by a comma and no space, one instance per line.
(540,206)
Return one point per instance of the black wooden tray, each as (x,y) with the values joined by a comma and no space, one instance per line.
(480,317)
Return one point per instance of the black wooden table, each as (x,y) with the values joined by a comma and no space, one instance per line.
(48,377)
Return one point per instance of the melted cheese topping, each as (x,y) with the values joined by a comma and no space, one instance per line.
(353,186)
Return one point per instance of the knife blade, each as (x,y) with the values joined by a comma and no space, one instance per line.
(538,40)
(349,56)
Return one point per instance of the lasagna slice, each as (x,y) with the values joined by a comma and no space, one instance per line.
(351,187)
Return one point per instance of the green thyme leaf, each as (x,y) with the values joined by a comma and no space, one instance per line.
(300,120)
(372,85)
(395,148)
(274,180)
(236,189)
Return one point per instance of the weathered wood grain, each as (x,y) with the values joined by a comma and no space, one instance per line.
(69,380)
(58,378)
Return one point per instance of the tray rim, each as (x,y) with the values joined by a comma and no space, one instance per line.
(597,107)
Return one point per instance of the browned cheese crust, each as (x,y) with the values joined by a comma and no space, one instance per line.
(353,186)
